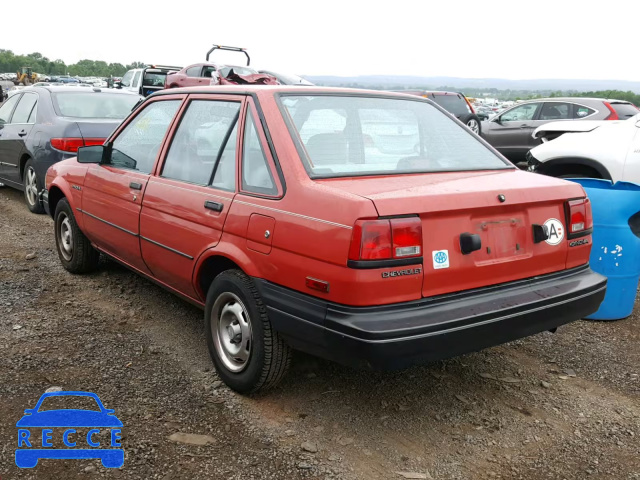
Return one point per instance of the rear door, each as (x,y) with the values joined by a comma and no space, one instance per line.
(112,193)
(16,133)
(509,133)
(7,162)
(186,203)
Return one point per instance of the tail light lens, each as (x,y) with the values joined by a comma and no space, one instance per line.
(613,115)
(387,239)
(71,144)
(579,216)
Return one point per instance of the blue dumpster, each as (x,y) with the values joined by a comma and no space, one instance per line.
(615,252)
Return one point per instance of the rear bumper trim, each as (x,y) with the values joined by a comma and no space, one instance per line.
(400,335)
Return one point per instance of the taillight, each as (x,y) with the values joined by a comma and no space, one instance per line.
(387,239)
(613,115)
(71,144)
(579,217)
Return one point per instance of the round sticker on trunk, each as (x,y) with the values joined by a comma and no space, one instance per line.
(556,231)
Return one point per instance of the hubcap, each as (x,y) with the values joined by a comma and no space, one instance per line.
(473,125)
(231,331)
(65,237)
(31,186)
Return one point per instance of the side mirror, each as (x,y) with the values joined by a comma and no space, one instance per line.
(91,154)
(497,119)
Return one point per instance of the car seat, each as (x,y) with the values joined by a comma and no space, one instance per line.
(328,149)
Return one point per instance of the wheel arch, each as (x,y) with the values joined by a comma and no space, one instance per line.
(24,158)
(558,166)
(58,190)
(217,260)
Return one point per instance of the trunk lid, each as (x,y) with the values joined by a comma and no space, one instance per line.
(97,127)
(454,203)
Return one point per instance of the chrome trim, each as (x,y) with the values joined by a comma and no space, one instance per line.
(8,164)
(108,223)
(294,214)
(192,190)
(168,248)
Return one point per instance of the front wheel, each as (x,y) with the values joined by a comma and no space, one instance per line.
(32,186)
(247,353)
(74,248)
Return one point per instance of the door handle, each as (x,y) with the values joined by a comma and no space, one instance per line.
(135,185)
(22,133)
(215,206)
(524,126)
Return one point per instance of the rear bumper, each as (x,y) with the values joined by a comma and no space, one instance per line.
(400,335)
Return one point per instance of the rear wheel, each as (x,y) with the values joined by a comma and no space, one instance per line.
(74,249)
(247,353)
(32,187)
(474,125)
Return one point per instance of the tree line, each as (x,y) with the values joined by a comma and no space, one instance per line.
(10,62)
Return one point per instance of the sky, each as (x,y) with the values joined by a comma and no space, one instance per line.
(515,39)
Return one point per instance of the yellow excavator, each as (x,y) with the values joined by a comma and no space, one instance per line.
(25,76)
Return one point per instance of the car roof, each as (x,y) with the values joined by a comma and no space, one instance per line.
(574,99)
(62,88)
(256,89)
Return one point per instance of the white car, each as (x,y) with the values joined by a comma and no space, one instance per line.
(591,149)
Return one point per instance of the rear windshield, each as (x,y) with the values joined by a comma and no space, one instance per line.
(351,136)
(155,79)
(624,110)
(93,104)
(452,103)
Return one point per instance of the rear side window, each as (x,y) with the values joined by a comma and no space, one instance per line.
(625,110)
(360,135)
(25,106)
(94,105)
(204,139)
(580,111)
(193,71)
(521,113)
(452,103)
(555,111)
(136,79)
(7,108)
(137,146)
(256,174)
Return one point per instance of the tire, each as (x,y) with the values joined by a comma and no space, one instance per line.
(474,125)
(74,249)
(32,187)
(258,358)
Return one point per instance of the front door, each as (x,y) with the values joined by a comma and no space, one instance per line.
(510,132)
(187,201)
(112,192)
(7,161)
(16,133)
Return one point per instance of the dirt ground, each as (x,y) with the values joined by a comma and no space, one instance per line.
(554,406)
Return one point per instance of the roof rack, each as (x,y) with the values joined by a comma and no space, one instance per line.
(230,49)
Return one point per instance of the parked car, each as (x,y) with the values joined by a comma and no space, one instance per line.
(204,74)
(147,80)
(287,78)
(43,125)
(592,149)
(510,132)
(369,228)
(454,103)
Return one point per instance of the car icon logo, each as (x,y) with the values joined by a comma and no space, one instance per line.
(69,433)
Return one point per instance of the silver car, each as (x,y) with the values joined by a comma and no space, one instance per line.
(510,132)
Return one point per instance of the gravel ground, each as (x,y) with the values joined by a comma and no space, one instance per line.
(554,406)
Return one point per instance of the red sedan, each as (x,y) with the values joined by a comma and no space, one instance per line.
(369,228)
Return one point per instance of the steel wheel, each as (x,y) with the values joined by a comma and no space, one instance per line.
(231,332)
(31,186)
(65,237)
(474,126)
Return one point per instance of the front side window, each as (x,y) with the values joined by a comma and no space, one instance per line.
(25,106)
(137,146)
(206,138)
(351,136)
(522,113)
(256,174)
(555,111)
(126,80)
(207,72)
(7,108)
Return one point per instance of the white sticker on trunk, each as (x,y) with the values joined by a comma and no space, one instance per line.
(440,259)
(556,231)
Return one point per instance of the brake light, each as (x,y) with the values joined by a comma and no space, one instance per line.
(71,144)
(386,239)
(579,215)
(613,115)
